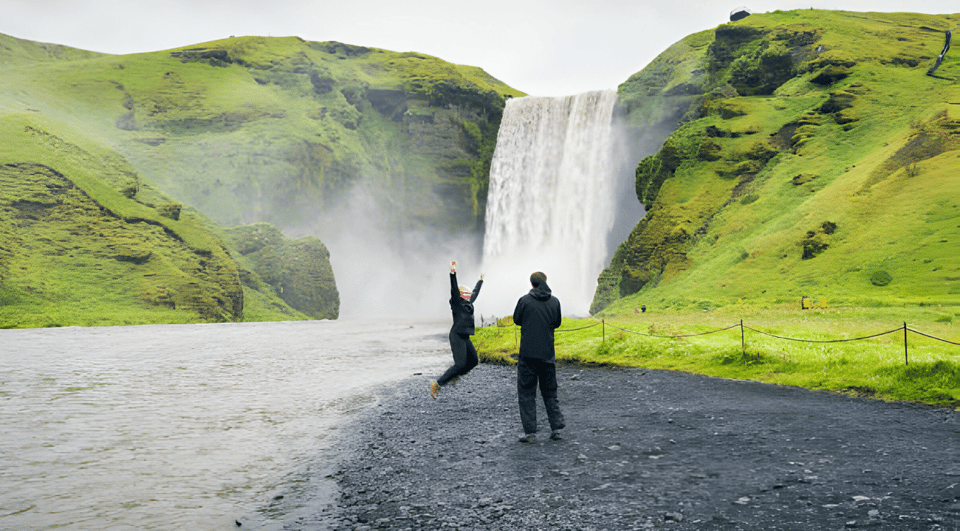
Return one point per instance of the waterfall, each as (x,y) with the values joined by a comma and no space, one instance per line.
(555,179)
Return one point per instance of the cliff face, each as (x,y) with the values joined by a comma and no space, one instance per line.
(799,138)
(282,130)
(297,271)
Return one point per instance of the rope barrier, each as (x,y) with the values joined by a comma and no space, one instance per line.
(676,336)
(932,337)
(742,327)
(822,340)
(575,329)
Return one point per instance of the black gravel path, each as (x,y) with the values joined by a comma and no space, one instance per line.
(646,449)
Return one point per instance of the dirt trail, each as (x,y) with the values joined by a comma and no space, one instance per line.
(647,450)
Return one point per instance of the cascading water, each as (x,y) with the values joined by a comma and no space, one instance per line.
(555,179)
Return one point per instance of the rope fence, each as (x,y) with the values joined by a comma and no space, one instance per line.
(743,328)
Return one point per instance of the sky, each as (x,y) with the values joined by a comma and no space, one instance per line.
(541,47)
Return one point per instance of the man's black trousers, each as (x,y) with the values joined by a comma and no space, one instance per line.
(530,373)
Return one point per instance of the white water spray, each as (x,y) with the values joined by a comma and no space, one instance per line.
(552,202)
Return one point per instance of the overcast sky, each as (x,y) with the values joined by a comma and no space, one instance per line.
(542,47)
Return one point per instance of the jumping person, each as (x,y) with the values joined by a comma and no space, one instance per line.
(538,315)
(464,353)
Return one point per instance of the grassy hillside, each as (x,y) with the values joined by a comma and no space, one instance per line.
(84,240)
(814,157)
(245,130)
(277,130)
(15,51)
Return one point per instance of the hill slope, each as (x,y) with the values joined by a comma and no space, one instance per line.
(281,130)
(814,157)
(84,240)
(246,131)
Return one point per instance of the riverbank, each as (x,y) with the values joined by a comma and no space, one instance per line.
(645,449)
(860,351)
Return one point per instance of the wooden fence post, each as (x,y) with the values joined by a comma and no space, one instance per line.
(743,342)
(906,357)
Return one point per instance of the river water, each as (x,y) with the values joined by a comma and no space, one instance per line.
(189,426)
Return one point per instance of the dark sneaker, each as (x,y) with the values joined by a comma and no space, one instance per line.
(555,436)
(434,389)
(529,438)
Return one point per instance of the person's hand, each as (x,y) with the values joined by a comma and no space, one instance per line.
(453,266)
(481,276)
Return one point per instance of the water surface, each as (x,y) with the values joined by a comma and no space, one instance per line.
(188,426)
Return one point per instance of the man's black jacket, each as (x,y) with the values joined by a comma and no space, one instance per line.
(537,314)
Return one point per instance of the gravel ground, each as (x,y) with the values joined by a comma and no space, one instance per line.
(645,449)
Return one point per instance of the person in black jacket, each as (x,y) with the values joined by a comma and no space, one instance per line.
(464,353)
(538,315)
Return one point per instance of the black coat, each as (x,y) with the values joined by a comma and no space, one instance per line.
(462,310)
(537,314)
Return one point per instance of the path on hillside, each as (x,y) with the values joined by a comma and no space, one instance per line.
(647,449)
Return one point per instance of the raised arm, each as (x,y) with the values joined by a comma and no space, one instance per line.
(454,287)
(476,289)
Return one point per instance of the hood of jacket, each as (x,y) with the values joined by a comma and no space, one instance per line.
(541,292)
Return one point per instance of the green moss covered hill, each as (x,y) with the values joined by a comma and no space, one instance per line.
(279,130)
(84,240)
(814,154)
(112,168)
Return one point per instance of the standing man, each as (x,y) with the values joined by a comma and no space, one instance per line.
(538,315)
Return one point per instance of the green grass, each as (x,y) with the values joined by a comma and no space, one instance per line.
(726,225)
(872,368)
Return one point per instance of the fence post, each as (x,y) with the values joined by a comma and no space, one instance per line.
(906,357)
(603,326)
(743,342)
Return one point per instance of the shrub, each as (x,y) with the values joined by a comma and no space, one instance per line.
(813,246)
(171,210)
(880,278)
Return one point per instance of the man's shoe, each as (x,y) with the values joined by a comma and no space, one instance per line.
(434,389)
(529,438)
(555,436)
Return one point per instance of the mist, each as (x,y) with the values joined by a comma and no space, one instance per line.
(568,227)
(384,268)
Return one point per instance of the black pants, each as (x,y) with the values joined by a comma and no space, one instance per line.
(530,372)
(464,357)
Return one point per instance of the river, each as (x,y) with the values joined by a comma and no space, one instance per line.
(189,426)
